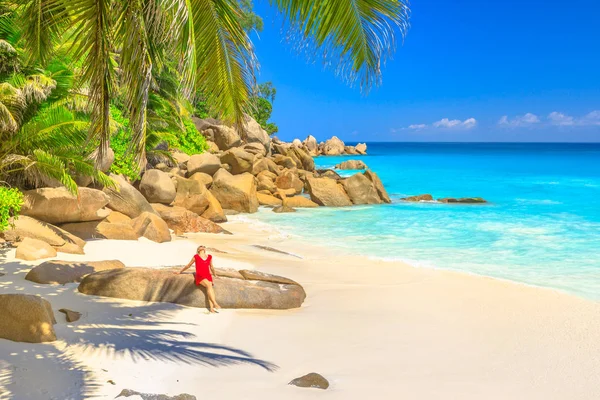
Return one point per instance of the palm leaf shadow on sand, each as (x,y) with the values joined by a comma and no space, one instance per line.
(134,334)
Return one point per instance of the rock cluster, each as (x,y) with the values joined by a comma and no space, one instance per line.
(447,200)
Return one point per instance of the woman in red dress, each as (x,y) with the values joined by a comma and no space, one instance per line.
(204,275)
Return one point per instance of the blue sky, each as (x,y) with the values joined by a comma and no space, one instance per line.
(469,70)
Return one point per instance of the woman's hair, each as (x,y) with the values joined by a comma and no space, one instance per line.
(201,247)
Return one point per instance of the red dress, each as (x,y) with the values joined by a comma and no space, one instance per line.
(202,268)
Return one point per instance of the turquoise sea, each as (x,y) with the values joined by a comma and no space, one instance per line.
(542,226)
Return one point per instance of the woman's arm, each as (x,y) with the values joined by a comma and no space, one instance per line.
(186,267)
(212,268)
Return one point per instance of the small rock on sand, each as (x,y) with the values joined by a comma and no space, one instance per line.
(312,380)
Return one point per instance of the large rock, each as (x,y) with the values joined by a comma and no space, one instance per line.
(235,192)
(126,199)
(351,164)
(299,202)
(255,148)
(361,148)
(205,179)
(265,164)
(333,147)
(27,227)
(181,220)
(311,145)
(421,197)
(61,272)
(34,249)
(302,158)
(361,190)
(164,286)
(268,200)
(350,150)
(327,192)
(152,227)
(206,162)
(116,217)
(312,380)
(239,160)
(157,187)
(226,137)
(265,182)
(58,205)
(26,318)
(289,179)
(102,230)
(193,196)
(254,133)
(383,195)
(284,161)
(463,200)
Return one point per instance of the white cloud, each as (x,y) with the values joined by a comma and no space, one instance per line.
(519,121)
(417,126)
(446,123)
(560,119)
(592,118)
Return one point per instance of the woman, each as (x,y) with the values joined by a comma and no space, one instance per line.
(204,273)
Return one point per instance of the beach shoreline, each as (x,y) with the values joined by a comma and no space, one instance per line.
(373,328)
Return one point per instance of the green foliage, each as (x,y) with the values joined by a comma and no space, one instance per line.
(190,141)
(250,20)
(263,106)
(10,205)
(120,142)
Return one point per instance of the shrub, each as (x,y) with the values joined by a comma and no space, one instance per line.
(189,141)
(120,140)
(11,201)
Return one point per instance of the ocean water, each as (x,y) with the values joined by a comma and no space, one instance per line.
(541,227)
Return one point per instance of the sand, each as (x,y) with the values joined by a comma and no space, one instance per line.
(375,329)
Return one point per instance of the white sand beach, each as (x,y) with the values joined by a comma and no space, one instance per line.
(374,329)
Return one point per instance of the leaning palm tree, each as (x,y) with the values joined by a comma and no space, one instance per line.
(123,42)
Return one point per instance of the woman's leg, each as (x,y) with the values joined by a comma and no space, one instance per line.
(211,294)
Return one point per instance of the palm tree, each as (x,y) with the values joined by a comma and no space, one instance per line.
(122,43)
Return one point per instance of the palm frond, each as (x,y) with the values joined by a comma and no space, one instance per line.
(355,36)
(223,59)
(93,43)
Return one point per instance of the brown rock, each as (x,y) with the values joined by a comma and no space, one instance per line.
(71,316)
(350,150)
(61,240)
(116,217)
(421,197)
(328,173)
(226,137)
(283,209)
(163,286)
(127,199)
(254,133)
(351,165)
(33,249)
(255,148)
(284,161)
(181,220)
(361,148)
(327,192)
(235,192)
(152,227)
(311,380)
(378,186)
(206,163)
(157,187)
(302,158)
(268,200)
(125,393)
(102,230)
(240,161)
(58,205)
(26,318)
(265,164)
(311,145)
(299,202)
(253,275)
(61,272)
(289,179)
(463,200)
(333,147)
(193,196)
(204,179)
(361,190)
